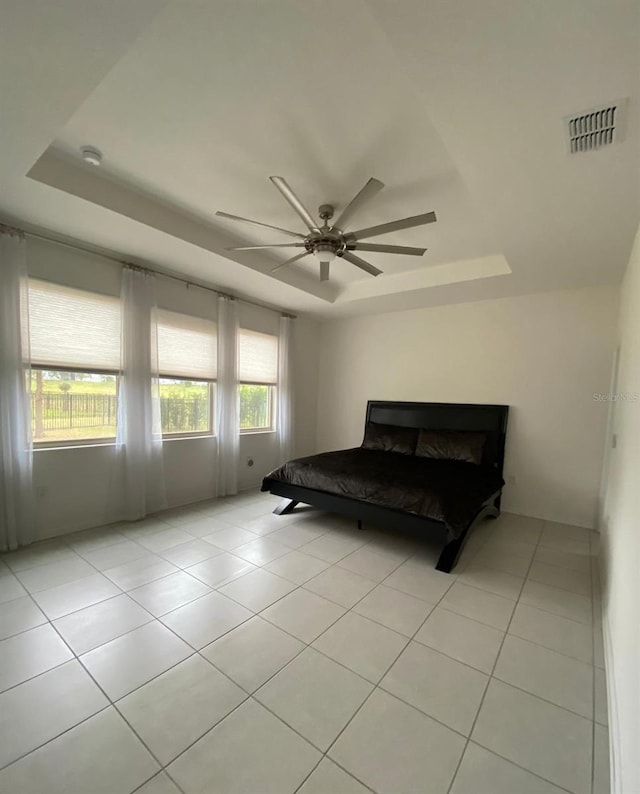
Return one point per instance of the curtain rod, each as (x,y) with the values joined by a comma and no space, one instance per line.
(160,273)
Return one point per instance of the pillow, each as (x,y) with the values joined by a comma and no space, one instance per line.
(451,445)
(390,438)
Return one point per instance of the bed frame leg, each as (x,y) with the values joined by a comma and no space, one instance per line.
(449,555)
(359,523)
(451,552)
(286,506)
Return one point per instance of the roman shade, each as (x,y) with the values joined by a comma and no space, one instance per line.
(187,346)
(258,357)
(72,328)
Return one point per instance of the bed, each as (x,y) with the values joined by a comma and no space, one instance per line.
(433,468)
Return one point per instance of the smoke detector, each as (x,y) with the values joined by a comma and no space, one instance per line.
(595,128)
(91,155)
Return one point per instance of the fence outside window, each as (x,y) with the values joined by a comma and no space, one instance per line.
(68,407)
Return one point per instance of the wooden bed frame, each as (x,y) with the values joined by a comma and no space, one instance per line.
(489,419)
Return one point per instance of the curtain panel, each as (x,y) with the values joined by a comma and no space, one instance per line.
(285,390)
(139,434)
(227,402)
(16,452)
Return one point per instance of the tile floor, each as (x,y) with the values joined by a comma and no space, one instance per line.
(220,648)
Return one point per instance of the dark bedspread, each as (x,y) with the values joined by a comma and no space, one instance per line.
(443,490)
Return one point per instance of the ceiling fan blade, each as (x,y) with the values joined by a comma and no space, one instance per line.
(367,192)
(295,202)
(259,223)
(394,226)
(324,271)
(274,245)
(384,249)
(289,261)
(355,260)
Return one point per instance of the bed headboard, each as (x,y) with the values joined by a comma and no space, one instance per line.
(489,419)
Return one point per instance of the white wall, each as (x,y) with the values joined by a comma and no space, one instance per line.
(72,484)
(543,355)
(620,546)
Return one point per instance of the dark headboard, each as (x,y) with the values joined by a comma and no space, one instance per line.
(489,419)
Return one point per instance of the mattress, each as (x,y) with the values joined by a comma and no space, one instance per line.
(451,492)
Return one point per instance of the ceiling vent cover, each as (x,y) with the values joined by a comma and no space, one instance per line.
(595,128)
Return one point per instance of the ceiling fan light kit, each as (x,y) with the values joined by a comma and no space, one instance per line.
(327,241)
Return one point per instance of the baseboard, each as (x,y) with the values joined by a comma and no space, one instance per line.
(612,708)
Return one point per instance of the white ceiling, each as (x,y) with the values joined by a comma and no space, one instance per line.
(456,106)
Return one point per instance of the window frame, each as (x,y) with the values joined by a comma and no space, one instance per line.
(178,434)
(95,441)
(272,408)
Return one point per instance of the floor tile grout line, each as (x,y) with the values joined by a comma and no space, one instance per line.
(302,650)
(298,639)
(513,634)
(544,700)
(214,589)
(124,718)
(376,687)
(296,587)
(158,618)
(111,702)
(519,766)
(37,675)
(157,579)
(346,771)
(453,658)
(490,678)
(557,614)
(526,692)
(111,639)
(22,631)
(49,622)
(158,774)
(19,758)
(411,556)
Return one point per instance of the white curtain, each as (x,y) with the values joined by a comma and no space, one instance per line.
(16,452)
(139,435)
(285,396)
(227,403)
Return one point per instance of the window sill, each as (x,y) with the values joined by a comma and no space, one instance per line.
(46,447)
(186,437)
(257,432)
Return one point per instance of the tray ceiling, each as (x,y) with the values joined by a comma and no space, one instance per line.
(455,108)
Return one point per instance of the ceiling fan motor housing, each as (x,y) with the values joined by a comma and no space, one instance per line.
(325,240)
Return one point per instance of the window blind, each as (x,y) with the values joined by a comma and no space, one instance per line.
(187,346)
(73,328)
(258,357)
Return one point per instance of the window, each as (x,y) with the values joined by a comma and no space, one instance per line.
(75,353)
(258,374)
(187,357)
(186,406)
(72,406)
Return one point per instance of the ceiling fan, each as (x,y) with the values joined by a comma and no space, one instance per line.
(327,241)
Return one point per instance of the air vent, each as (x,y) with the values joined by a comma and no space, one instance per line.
(595,128)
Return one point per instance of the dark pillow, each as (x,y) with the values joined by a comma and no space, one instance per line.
(451,445)
(390,438)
